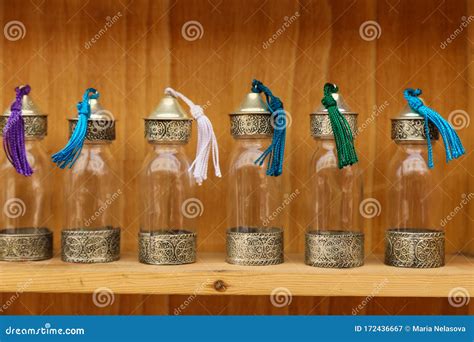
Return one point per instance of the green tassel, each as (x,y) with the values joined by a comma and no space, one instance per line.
(346,153)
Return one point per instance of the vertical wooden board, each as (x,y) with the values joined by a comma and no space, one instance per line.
(147,52)
(409,44)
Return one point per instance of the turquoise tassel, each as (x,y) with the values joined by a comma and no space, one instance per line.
(69,154)
(452,143)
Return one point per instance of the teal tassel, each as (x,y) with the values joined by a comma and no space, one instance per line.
(276,150)
(69,154)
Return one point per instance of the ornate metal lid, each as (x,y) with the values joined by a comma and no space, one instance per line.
(409,127)
(101,123)
(251,119)
(36,122)
(321,125)
(168,123)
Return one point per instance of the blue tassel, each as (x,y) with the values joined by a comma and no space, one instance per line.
(452,143)
(69,154)
(276,150)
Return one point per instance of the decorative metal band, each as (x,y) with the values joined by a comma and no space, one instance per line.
(90,245)
(26,244)
(255,246)
(321,125)
(173,248)
(97,130)
(250,125)
(334,249)
(414,248)
(168,130)
(412,130)
(35,125)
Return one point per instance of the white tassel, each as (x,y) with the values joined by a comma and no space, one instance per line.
(206,143)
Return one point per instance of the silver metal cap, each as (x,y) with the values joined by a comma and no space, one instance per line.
(251,119)
(36,122)
(321,124)
(101,123)
(409,127)
(168,123)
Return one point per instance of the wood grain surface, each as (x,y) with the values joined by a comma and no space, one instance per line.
(145,51)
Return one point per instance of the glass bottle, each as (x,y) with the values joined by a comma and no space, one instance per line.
(414,237)
(255,230)
(91,231)
(334,238)
(25,225)
(167,228)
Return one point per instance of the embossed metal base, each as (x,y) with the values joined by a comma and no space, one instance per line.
(334,249)
(252,246)
(26,244)
(167,247)
(414,248)
(90,245)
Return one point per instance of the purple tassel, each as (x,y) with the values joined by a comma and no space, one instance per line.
(14,135)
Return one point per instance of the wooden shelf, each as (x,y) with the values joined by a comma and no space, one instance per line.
(212,276)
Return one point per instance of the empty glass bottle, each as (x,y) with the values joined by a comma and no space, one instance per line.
(255,230)
(25,222)
(168,206)
(334,238)
(92,191)
(414,236)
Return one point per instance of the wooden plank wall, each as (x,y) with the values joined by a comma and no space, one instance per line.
(144,51)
